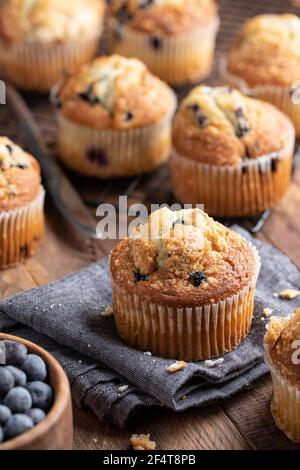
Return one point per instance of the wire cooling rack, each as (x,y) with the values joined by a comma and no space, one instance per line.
(153,188)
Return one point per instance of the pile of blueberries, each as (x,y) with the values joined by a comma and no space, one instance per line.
(25,396)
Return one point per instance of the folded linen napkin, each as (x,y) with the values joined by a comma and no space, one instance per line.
(113,379)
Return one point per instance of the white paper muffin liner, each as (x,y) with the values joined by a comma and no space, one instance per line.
(21,231)
(178,60)
(233,190)
(187,333)
(279,96)
(107,153)
(285,403)
(37,66)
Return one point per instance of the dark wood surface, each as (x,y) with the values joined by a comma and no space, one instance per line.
(243,422)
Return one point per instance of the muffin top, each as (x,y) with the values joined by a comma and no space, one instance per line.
(267,51)
(115,93)
(183,258)
(19,176)
(283,340)
(49,20)
(220,126)
(164,17)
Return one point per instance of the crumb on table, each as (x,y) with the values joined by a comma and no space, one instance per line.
(289,294)
(267,312)
(142,442)
(108,312)
(176,366)
(214,363)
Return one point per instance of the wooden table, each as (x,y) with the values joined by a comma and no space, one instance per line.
(243,422)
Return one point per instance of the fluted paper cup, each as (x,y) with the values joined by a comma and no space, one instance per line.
(285,403)
(189,333)
(21,231)
(234,190)
(281,97)
(107,153)
(178,60)
(37,67)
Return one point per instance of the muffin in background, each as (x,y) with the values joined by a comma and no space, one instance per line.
(230,152)
(21,204)
(183,286)
(282,344)
(114,118)
(42,40)
(264,62)
(174,38)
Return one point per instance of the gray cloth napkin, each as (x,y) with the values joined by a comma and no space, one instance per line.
(64,317)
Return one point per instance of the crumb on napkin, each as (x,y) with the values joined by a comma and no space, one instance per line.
(267,312)
(176,366)
(123,388)
(108,312)
(142,442)
(289,294)
(214,363)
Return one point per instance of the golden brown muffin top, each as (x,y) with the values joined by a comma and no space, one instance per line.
(115,93)
(220,126)
(283,340)
(19,176)
(49,20)
(267,51)
(183,258)
(164,17)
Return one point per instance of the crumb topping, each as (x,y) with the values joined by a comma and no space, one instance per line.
(50,20)
(163,17)
(142,442)
(283,341)
(221,126)
(183,256)
(115,92)
(267,50)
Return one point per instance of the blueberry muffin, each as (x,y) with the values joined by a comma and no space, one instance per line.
(114,118)
(282,343)
(183,286)
(21,204)
(41,40)
(174,38)
(264,60)
(230,152)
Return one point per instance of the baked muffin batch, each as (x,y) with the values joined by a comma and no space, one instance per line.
(40,40)
(180,278)
(114,118)
(230,152)
(21,204)
(174,38)
(183,284)
(264,61)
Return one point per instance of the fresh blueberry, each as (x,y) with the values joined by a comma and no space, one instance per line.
(18,400)
(1,434)
(42,395)
(5,414)
(6,381)
(34,368)
(19,376)
(36,415)
(16,425)
(15,353)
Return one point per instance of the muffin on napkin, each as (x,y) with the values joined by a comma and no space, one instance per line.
(174,38)
(21,204)
(183,286)
(114,118)
(282,343)
(41,40)
(230,152)
(264,61)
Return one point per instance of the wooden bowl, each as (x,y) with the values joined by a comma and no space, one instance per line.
(55,432)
